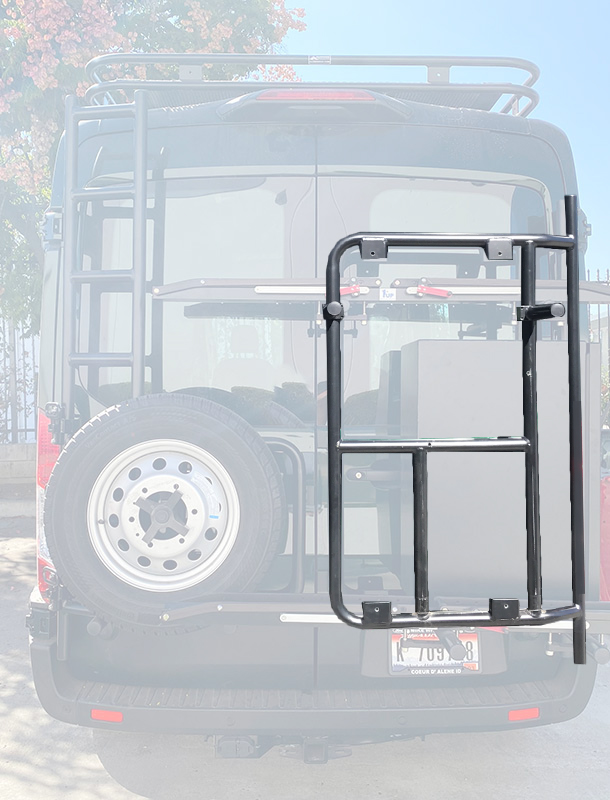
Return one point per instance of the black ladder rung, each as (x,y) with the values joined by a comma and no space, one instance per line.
(104,193)
(537,313)
(498,444)
(97,276)
(100,359)
(117,111)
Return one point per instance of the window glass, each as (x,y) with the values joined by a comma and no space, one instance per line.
(228,227)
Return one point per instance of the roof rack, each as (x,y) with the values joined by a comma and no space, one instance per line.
(190,85)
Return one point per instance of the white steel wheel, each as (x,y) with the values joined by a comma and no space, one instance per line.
(161,502)
(163,515)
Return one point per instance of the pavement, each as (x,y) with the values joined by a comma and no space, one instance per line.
(41,757)
(17,498)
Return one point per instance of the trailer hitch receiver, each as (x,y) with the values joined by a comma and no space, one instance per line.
(381,614)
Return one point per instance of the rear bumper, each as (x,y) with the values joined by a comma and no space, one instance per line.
(349,714)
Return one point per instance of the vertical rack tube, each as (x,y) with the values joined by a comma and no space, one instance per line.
(575,409)
(530,431)
(334,391)
(138,337)
(158,269)
(420,531)
(69,253)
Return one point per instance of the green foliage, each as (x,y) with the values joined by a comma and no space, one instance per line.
(44,47)
(20,280)
(605,404)
(20,256)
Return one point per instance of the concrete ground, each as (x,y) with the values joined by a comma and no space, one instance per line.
(17,498)
(40,757)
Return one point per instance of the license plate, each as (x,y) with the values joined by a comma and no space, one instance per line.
(418,651)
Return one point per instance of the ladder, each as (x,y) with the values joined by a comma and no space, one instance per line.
(505,612)
(132,280)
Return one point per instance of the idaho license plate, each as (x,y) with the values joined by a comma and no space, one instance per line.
(418,651)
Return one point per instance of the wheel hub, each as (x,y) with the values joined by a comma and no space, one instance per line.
(163,515)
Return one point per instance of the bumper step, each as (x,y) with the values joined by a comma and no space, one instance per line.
(135,697)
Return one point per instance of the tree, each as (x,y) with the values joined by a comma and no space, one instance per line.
(45,45)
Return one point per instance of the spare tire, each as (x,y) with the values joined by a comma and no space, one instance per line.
(160,501)
(255,406)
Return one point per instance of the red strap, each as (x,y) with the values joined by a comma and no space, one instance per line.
(424,289)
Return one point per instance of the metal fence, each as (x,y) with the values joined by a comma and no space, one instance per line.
(18,380)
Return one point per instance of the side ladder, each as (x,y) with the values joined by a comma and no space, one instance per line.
(132,280)
(379,614)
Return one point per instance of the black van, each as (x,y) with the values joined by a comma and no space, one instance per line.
(182,464)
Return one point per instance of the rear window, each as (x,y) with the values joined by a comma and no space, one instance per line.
(213,227)
(230,227)
(246,202)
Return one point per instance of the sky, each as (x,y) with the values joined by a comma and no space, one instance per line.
(569,41)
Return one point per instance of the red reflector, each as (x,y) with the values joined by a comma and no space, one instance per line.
(315,94)
(47,452)
(104,715)
(604,555)
(523,713)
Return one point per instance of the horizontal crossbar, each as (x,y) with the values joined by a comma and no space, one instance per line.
(469,619)
(100,359)
(499,444)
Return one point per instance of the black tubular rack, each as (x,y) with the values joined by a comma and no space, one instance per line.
(131,280)
(379,614)
(184,80)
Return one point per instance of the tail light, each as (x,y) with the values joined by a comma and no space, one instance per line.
(604,541)
(47,577)
(46,455)
(520,714)
(340,95)
(105,715)
(47,452)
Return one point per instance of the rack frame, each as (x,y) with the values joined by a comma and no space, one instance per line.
(381,614)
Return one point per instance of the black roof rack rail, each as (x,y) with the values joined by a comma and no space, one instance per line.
(189,86)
